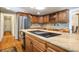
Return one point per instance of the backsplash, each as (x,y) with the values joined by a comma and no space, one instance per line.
(61,26)
(51,26)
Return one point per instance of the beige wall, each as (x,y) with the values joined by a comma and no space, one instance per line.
(75,20)
(7,23)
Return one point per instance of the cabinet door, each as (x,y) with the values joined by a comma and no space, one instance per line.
(34,19)
(53,18)
(41,19)
(44,19)
(39,46)
(60,17)
(56,17)
(28,44)
(63,16)
(47,18)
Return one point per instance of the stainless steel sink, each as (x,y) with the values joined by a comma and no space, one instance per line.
(44,34)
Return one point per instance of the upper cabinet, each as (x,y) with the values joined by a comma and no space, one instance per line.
(59,17)
(63,16)
(46,19)
(35,19)
(40,19)
(53,18)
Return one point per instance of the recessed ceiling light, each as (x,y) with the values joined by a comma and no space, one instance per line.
(38,13)
(38,8)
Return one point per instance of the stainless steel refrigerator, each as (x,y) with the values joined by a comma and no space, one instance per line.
(24,22)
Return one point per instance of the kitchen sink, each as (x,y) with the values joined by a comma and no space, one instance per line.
(44,34)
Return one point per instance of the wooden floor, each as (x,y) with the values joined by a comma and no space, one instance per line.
(9,42)
(7,33)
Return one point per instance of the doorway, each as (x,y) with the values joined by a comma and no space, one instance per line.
(7,25)
(75,23)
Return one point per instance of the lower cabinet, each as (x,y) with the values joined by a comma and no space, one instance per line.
(34,44)
(28,44)
(38,44)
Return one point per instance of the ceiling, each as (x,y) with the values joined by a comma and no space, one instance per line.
(4,10)
(34,11)
(47,10)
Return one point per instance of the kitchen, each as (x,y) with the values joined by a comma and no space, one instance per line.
(49,29)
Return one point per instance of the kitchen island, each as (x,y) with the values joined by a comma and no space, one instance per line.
(63,42)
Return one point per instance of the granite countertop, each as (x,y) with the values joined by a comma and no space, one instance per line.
(67,41)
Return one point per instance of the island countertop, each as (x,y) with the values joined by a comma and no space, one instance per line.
(67,41)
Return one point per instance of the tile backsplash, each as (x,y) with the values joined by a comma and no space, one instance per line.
(51,26)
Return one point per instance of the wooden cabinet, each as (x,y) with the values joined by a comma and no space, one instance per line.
(59,17)
(34,19)
(66,16)
(46,19)
(34,44)
(41,19)
(63,16)
(28,44)
(53,18)
(38,45)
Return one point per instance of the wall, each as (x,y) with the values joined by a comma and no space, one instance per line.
(7,24)
(72,12)
(16,27)
(52,26)
(75,20)
(1,26)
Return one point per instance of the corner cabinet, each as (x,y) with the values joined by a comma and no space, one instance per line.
(53,18)
(34,44)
